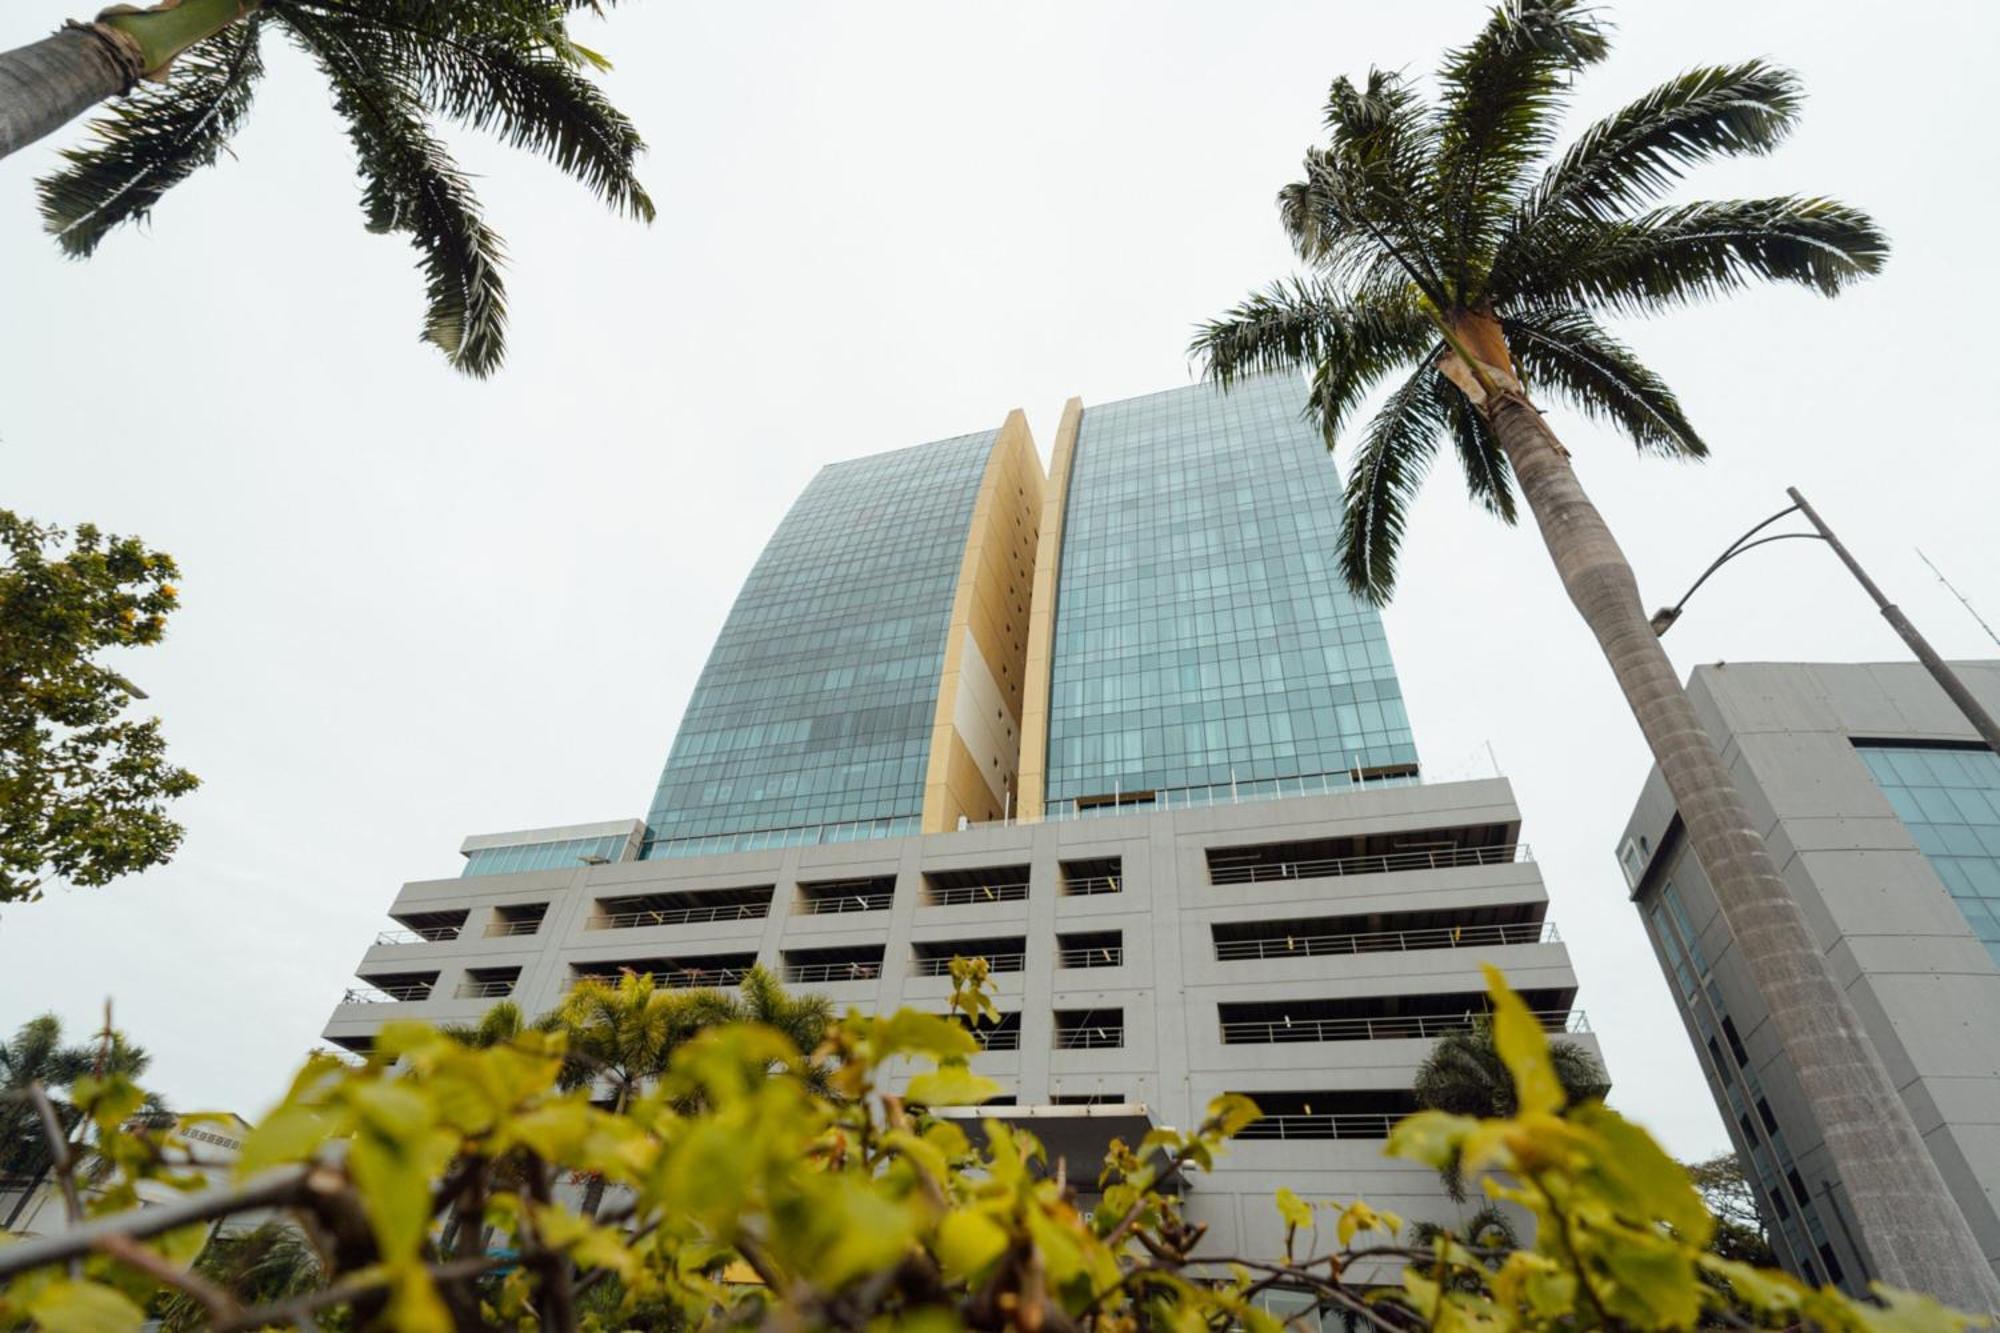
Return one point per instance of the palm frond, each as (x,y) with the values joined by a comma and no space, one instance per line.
(1383,480)
(1580,362)
(1644,148)
(152,140)
(1692,252)
(412,186)
(1364,210)
(1489,477)
(516,76)
(1303,323)
(1496,118)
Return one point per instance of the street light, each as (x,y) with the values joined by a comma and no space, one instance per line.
(1975,712)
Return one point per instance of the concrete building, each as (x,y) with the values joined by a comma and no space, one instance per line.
(1123,735)
(1882,810)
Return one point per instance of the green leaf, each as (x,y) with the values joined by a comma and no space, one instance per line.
(291,1134)
(1232,1113)
(66,1306)
(952,1085)
(967,1241)
(1296,1211)
(1523,1048)
(907,1032)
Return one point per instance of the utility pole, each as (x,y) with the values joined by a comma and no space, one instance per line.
(1975,712)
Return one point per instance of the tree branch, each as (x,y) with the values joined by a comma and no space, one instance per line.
(221,1306)
(273,1189)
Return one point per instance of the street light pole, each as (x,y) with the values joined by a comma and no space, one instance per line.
(1947,679)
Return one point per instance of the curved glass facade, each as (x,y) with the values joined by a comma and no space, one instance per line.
(812,719)
(1205,644)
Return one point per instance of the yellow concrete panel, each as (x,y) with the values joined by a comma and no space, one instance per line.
(1042,619)
(990,611)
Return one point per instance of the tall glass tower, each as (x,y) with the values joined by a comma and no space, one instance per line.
(817,715)
(1204,645)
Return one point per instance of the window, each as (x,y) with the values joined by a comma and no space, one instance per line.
(811,967)
(1344,1114)
(1378,932)
(968,888)
(517,919)
(1002,954)
(1948,798)
(570,854)
(1088,1029)
(1632,862)
(488,983)
(681,909)
(1091,948)
(1798,1185)
(1089,1099)
(393,987)
(1374,854)
(1378,1018)
(1764,1114)
(1003,1034)
(683,973)
(1100,875)
(1735,1042)
(871,894)
(1826,1257)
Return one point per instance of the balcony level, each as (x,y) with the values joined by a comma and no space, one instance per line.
(1007,953)
(1367,1113)
(392,988)
(697,907)
(872,893)
(424,927)
(684,973)
(1382,932)
(816,967)
(1382,1017)
(1367,854)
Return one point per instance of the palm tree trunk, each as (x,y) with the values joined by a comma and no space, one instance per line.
(1916,1234)
(46,84)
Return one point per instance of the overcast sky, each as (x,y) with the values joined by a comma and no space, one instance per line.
(418,607)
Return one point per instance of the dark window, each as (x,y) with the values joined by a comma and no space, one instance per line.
(1764,1114)
(1735,1043)
(1100,875)
(872,894)
(854,962)
(1783,1209)
(1089,1099)
(1749,1130)
(1085,1029)
(967,888)
(1798,1187)
(1721,1065)
(1091,948)
(1002,954)
(1832,1264)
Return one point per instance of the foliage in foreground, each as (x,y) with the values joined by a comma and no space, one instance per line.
(83,790)
(745,1198)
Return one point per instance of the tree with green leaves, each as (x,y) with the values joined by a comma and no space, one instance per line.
(1739,1225)
(272,1261)
(1463,1074)
(1455,247)
(184,72)
(83,789)
(753,1201)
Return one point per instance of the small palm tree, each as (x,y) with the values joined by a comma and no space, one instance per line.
(37,1057)
(188,71)
(268,1263)
(1464,1075)
(496,1027)
(1455,248)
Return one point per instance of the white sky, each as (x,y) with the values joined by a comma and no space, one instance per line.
(419,607)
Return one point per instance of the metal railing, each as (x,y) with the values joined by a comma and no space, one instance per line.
(427,935)
(1085,885)
(1094,1037)
(1097,955)
(500,928)
(1264,1032)
(878,901)
(679,978)
(829,972)
(678,916)
(978,893)
(997,1039)
(487,990)
(1359,1125)
(1442,858)
(388,994)
(995,962)
(1386,941)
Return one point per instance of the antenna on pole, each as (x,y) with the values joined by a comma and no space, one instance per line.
(1961,596)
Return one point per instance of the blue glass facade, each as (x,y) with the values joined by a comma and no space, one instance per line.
(1950,802)
(565,855)
(812,719)
(1205,644)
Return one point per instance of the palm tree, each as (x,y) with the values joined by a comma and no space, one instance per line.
(1446,250)
(268,1263)
(626,1035)
(37,1057)
(496,1027)
(1464,1075)
(394,66)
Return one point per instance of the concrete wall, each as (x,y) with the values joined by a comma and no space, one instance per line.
(1168,986)
(1926,989)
